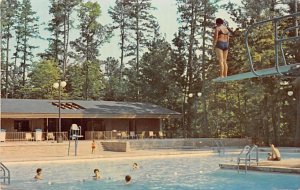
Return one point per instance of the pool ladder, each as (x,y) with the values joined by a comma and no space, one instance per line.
(219,147)
(5,176)
(245,155)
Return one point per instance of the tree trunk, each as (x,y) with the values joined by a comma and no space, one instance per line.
(6,65)
(296,85)
(205,123)
(137,53)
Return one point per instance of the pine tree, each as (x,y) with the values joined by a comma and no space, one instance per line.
(27,28)
(8,13)
(86,46)
(194,17)
(60,26)
(120,15)
(142,25)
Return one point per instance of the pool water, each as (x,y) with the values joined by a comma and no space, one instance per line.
(162,173)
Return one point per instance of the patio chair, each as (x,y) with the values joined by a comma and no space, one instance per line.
(161,134)
(119,135)
(29,137)
(124,135)
(151,134)
(50,136)
(132,135)
(141,135)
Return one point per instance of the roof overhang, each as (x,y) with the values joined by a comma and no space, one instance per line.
(102,116)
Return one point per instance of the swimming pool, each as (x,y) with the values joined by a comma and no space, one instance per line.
(162,173)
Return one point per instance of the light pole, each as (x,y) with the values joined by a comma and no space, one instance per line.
(58,85)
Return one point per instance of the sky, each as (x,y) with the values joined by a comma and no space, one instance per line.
(166,14)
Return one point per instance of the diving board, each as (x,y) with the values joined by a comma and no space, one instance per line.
(286,70)
(283,69)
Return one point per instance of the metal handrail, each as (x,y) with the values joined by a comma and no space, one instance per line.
(247,151)
(220,146)
(282,39)
(275,20)
(6,173)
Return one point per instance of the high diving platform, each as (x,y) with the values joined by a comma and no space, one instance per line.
(280,69)
(292,70)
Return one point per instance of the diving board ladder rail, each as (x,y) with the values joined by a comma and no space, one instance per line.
(278,40)
(5,176)
(245,155)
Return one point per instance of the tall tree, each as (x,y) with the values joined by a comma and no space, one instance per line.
(27,28)
(80,85)
(92,36)
(114,88)
(156,70)
(142,25)
(120,15)
(8,13)
(60,26)
(194,17)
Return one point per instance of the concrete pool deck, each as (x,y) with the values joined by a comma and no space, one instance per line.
(284,166)
(14,152)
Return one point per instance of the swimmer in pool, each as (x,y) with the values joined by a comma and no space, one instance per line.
(135,166)
(127,179)
(97,174)
(38,175)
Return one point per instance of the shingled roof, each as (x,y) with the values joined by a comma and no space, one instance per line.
(38,108)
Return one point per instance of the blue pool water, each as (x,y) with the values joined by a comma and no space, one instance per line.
(164,173)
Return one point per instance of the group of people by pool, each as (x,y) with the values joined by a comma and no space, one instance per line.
(39,175)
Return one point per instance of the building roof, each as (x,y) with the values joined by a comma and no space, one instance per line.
(40,108)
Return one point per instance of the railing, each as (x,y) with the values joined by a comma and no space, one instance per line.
(114,134)
(33,136)
(245,155)
(5,175)
(278,40)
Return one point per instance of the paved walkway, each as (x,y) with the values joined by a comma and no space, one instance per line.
(52,151)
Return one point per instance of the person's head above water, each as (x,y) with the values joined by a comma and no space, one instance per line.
(127,178)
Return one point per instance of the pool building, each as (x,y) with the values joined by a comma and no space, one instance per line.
(22,118)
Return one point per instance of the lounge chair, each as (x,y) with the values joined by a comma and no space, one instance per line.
(119,135)
(151,134)
(141,135)
(161,134)
(132,135)
(124,135)
(50,136)
(29,137)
